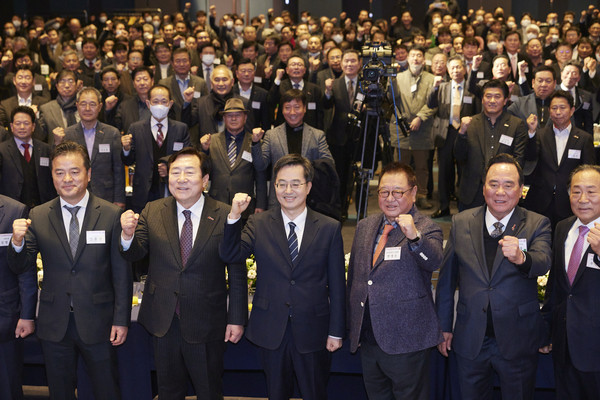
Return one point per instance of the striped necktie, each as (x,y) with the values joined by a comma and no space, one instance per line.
(293,242)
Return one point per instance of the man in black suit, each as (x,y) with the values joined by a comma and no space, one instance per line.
(298,314)
(583,117)
(17,310)
(103,145)
(57,115)
(134,108)
(85,303)
(147,142)
(23,82)
(256,95)
(25,162)
(571,301)
(512,47)
(112,91)
(185,304)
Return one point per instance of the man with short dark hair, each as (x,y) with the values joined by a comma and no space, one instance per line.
(256,95)
(57,115)
(134,108)
(536,104)
(23,81)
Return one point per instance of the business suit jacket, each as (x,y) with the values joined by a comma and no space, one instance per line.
(262,115)
(469,150)
(199,285)
(243,177)
(339,104)
(510,293)
(11,170)
(583,115)
(40,86)
(125,114)
(97,281)
(314,102)
(51,117)
(573,311)
(142,155)
(108,173)
(199,85)
(8,105)
(403,316)
(310,294)
(522,107)
(158,76)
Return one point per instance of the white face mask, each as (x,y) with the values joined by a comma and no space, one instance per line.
(304,19)
(208,59)
(554,38)
(148,20)
(531,36)
(403,63)
(239,28)
(156,23)
(303,44)
(525,23)
(479,18)
(17,23)
(159,112)
(56,25)
(278,27)
(511,24)
(229,24)
(493,46)
(436,21)
(338,38)
(102,20)
(552,22)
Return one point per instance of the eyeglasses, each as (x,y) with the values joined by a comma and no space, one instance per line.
(384,193)
(282,185)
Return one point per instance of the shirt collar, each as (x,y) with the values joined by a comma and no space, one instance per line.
(25,100)
(300,220)
(186,79)
(565,131)
(490,220)
(89,130)
(19,142)
(82,203)
(196,209)
(164,122)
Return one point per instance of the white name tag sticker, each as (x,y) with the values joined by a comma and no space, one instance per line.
(95,237)
(39,88)
(479,74)
(467,100)
(312,105)
(256,105)
(413,88)
(5,239)
(246,156)
(523,244)
(197,94)
(505,139)
(392,253)
(104,148)
(575,154)
(217,61)
(514,98)
(360,96)
(44,162)
(45,69)
(586,105)
(177,146)
(258,79)
(590,262)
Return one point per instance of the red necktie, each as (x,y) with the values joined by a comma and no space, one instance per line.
(26,153)
(159,135)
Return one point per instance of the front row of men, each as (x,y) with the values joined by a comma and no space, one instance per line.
(298,317)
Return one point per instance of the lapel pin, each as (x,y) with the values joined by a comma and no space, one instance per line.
(211,218)
(513,227)
(506,125)
(576,137)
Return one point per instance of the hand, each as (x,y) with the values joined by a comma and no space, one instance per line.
(233,333)
(314,63)
(407,225)
(464,125)
(20,227)
(445,47)
(239,204)
(415,124)
(328,86)
(268,71)
(437,80)
(59,134)
(126,142)
(257,134)
(333,344)
(279,74)
(446,345)
(593,238)
(477,61)
(205,142)
(545,349)
(98,65)
(532,123)
(110,102)
(24,328)
(212,10)
(188,94)
(118,334)
(34,108)
(394,19)
(162,170)
(188,5)
(523,67)
(592,63)
(511,250)
(258,210)
(129,221)
(343,15)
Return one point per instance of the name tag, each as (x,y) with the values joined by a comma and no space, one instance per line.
(95,237)
(590,262)
(479,75)
(256,105)
(197,94)
(505,139)
(177,146)
(360,96)
(586,105)
(246,156)
(514,98)
(44,162)
(523,244)
(217,61)
(39,88)
(575,154)
(392,253)
(45,69)
(104,148)
(312,105)
(413,88)
(467,100)
(258,79)
(5,239)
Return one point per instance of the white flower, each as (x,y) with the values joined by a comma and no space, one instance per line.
(252,273)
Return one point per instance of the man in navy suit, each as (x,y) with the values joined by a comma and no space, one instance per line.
(495,252)
(571,303)
(298,313)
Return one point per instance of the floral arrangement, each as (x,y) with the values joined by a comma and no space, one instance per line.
(40,270)
(251,274)
(346,263)
(542,281)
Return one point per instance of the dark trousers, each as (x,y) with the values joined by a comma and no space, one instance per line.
(175,359)
(446,175)
(311,370)
(61,366)
(420,158)
(517,377)
(395,376)
(11,369)
(343,155)
(572,384)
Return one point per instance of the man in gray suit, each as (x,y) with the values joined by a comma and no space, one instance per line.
(390,306)
(103,144)
(57,115)
(537,103)
(495,252)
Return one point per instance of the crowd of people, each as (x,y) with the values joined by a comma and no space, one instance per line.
(236,137)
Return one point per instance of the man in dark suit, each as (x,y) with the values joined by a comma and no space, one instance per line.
(103,145)
(112,90)
(185,305)
(57,115)
(483,136)
(553,153)
(583,117)
(496,252)
(25,173)
(134,108)
(256,95)
(85,303)
(391,311)
(25,96)
(298,313)
(17,312)
(536,103)
(147,142)
(571,303)
(512,47)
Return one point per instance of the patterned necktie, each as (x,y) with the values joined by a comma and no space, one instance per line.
(73,229)
(387,228)
(187,237)
(350,90)
(293,242)
(232,152)
(159,135)
(456,108)
(26,153)
(497,232)
(296,86)
(207,77)
(575,258)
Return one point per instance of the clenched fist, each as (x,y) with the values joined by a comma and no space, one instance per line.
(511,250)
(129,221)
(464,125)
(126,142)
(257,134)
(110,102)
(20,227)
(238,205)
(205,142)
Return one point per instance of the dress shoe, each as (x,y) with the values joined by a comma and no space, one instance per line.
(453,197)
(423,204)
(441,213)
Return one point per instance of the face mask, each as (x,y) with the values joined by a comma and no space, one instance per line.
(239,28)
(17,23)
(337,38)
(208,59)
(159,111)
(311,29)
(240,41)
(148,20)
(531,36)
(511,24)
(569,20)
(479,18)
(554,38)
(403,63)
(493,46)
(525,23)
(156,24)
(304,19)
(278,27)
(313,54)
(303,44)
(118,32)
(436,21)
(56,25)
(229,24)
(102,20)
(263,21)
(552,22)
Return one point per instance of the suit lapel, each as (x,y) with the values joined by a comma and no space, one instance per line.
(571,144)
(92,213)
(479,120)
(279,236)
(1,212)
(14,155)
(372,232)
(208,221)
(476,227)
(514,226)
(175,89)
(305,139)
(221,147)
(281,136)
(98,138)
(169,217)
(56,220)
(311,229)
(547,140)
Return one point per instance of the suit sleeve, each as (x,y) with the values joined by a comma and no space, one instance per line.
(447,283)
(427,252)
(589,153)
(261,152)
(323,146)
(432,98)
(118,170)
(26,259)
(337,286)
(4,117)
(539,250)
(122,279)
(461,147)
(521,138)
(28,287)
(532,147)
(139,246)
(260,179)
(236,245)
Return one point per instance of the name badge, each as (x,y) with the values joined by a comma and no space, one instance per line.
(95,237)
(523,244)
(39,88)
(590,262)
(467,100)
(5,239)
(479,75)
(312,105)
(360,96)
(514,98)
(217,61)
(197,94)
(575,154)
(45,69)
(256,105)
(413,88)
(505,139)
(392,253)
(246,156)
(104,148)
(44,162)
(177,146)
(258,79)
(586,105)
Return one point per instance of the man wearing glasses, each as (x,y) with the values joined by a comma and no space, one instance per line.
(392,317)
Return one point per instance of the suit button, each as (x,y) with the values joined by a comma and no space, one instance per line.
(362,304)
(72,271)
(369,282)
(570,296)
(288,304)
(292,283)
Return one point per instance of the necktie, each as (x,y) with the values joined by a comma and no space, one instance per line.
(296,86)
(575,258)
(231,152)
(456,108)
(350,91)
(159,135)
(293,243)
(187,237)
(73,229)
(382,241)
(207,77)
(90,64)
(26,153)
(513,62)
(497,232)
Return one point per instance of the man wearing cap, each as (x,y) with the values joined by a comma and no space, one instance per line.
(230,153)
